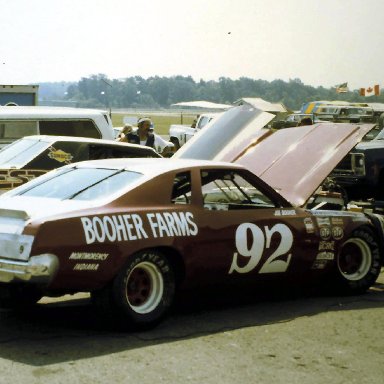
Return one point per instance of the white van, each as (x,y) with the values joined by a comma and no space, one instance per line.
(20,121)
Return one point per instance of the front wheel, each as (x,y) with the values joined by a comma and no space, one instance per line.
(358,262)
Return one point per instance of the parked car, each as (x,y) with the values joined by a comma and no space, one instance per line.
(346,114)
(32,156)
(361,171)
(294,120)
(20,121)
(135,232)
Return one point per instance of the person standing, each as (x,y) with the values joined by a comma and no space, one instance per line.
(124,132)
(144,135)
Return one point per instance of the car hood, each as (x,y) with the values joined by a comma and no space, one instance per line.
(293,161)
(225,138)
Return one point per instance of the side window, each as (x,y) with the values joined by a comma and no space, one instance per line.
(102,151)
(97,152)
(128,152)
(228,190)
(182,186)
(203,121)
(78,128)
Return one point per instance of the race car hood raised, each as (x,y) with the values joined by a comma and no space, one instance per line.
(294,161)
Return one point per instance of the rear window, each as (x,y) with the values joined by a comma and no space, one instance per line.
(80,184)
(16,129)
(21,152)
(203,121)
(79,128)
(13,130)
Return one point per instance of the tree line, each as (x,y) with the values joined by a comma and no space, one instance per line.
(98,91)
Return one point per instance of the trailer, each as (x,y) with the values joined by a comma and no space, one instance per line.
(19,95)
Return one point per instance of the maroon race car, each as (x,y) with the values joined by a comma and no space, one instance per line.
(134,232)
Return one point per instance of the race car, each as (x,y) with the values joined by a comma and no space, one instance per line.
(31,156)
(135,232)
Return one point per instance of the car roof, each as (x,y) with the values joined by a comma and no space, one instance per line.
(154,166)
(53,138)
(30,112)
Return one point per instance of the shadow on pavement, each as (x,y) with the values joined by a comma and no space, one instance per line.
(60,331)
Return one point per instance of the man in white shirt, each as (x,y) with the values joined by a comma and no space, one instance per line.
(144,136)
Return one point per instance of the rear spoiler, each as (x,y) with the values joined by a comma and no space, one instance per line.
(13,213)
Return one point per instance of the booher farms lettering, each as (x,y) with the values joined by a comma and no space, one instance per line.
(131,226)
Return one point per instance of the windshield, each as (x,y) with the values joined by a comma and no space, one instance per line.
(82,184)
(20,152)
(380,135)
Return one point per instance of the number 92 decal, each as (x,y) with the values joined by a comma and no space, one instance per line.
(259,242)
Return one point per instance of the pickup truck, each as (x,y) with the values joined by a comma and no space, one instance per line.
(361,172)
(179,134)
(19,121)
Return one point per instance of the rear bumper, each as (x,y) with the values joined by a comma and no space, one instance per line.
(38,269)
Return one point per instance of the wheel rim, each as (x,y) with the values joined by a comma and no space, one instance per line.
(355,259)
(145,286)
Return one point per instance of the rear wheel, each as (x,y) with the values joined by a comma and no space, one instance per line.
(358,262)
(142,292)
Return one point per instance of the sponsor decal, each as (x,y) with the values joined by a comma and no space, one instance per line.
(130,227)
(157,260)
(325,233)
(326,246)
(12,178)
(321,221)
(86,267)
(337,233)
(59,155)
(88,256)
(337,221)
(251,243)
(319,213)
(319,264)
(309,226)
(285,212)
(325,256)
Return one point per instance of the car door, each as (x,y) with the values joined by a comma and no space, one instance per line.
(245,233)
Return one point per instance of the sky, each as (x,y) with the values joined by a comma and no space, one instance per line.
(320,42)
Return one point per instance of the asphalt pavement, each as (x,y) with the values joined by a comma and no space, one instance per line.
(296,339)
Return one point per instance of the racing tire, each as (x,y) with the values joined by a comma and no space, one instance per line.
(141,294)
(358,262)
